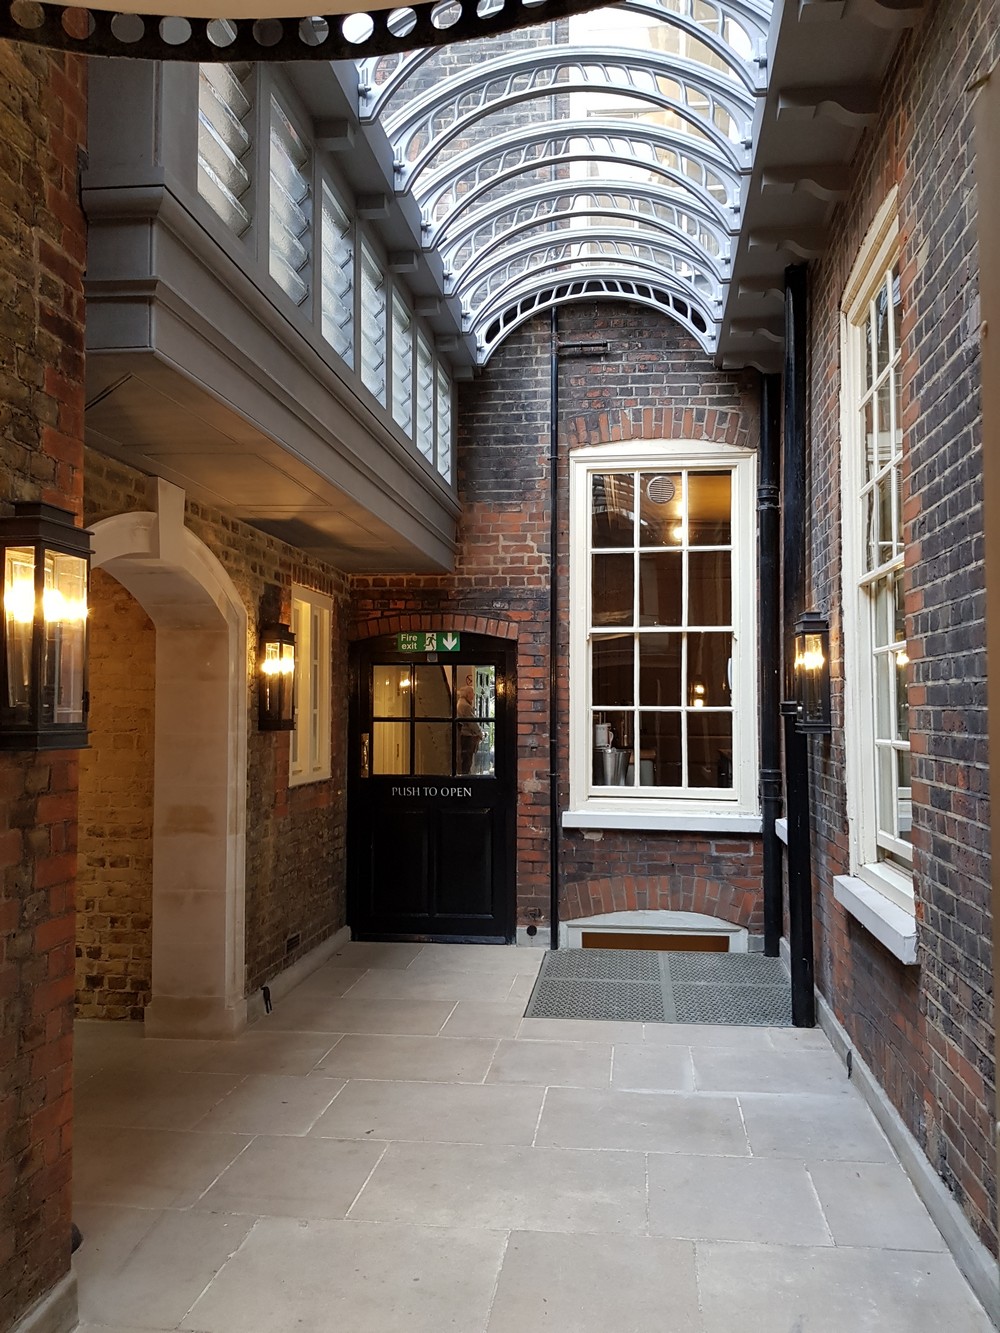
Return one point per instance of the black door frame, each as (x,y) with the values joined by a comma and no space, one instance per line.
(363,653)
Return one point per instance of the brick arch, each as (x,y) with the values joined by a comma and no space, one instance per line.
(676,892)
(717,425)
(445,620)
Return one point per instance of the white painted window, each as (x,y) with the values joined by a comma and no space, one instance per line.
(309,759)
(338,276)
(402,363)
(225,160)
(373,324)
(663,668)
(875,652)
(290,232)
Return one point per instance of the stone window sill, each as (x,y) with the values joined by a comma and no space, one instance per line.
(891,925)
(658,820)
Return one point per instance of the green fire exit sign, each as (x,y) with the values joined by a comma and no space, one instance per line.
(433,641)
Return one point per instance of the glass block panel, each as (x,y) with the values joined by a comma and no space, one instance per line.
(432,748)
(402,364)
(373,325)
(709,666)
(660,750)
(709,508)
(710,749)
(660,662)
(613,671)
(337,276)
(661,509)
(424,433)
(612,596)
(444,442)
(290,207)
(224,143)
(661,587)
(612,500)
(432,690)
(710,588)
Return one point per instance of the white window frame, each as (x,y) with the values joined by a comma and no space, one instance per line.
(309,754)
(740,811)
(876,257)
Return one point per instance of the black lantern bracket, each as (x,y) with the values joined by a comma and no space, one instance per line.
(43,630)
(811,673)
(276,669)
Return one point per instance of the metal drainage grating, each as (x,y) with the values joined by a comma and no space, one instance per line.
(588,997)
(663,987)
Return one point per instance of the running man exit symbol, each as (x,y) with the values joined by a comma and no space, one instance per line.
(431,641)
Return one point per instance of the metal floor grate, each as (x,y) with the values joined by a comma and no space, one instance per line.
(662,987)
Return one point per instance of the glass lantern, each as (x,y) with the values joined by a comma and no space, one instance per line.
(277,679)
(812,674)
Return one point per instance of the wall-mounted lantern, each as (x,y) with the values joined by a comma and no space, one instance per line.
(277,679)
(812,674)
(43,652)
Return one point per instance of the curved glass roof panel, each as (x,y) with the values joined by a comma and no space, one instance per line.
(600,154)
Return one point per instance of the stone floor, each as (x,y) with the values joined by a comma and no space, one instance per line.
(395,1149)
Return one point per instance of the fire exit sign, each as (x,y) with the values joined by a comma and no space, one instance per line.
(433,641)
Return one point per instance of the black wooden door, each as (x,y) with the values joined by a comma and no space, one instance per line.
(431,795)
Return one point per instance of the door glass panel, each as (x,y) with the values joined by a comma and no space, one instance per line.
(390,747)
(432,748)
(613,594)
(710,506)
(613,673)
(482,681)
(661,588)
(432,686)
(710,749)
(391,687)
(710,588)
(475,752)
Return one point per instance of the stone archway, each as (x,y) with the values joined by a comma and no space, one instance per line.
(200,759)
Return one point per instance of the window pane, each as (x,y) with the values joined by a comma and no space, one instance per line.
(432,748)
(902,704)
(868,427)
(402,364)
(660,670)
(882,330)
(432,686)
(885,441)
(710,588)
(338,277)
(373,325)
(708,668)
(660,749)
(611,509)
(886,545)
(883,697)
(661,512)
(710,506)
(710,749)
(885,778)
(224,157)
(660,587)
(904,820)
(425,398)
(613,671)
(612,590)
(390,747)
(898,614)
(897,310)
(391,691)
(290,207)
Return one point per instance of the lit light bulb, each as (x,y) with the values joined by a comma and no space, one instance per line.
(56,606)
(19,602)
(902,657)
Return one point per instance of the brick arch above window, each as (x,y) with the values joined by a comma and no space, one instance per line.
(684,890)
(410,623)
(716,425)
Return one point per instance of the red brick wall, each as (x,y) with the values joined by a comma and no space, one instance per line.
(114,956)
(654,383)
(925,1030)
(42,253)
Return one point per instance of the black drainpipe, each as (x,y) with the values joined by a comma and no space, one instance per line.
(769,575)
(800,932)
(554,630)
